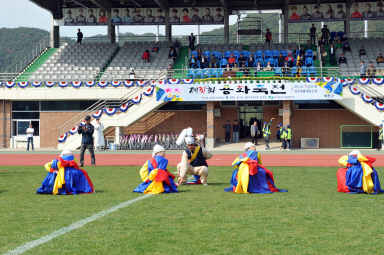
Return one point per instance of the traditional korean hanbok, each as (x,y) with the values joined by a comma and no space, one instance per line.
(65,178)
(156,178)
(250,176)
(358,176)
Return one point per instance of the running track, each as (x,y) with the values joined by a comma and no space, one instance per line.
(217,160)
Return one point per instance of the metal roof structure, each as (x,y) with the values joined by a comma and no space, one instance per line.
(55,6)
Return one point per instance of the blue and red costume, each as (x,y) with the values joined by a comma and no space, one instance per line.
(358,176)
(250,176)
(156,178)
(65,178)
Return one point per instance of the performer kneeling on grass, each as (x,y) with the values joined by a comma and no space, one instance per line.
(249,175)
(155,175)
(65,177)
(197,164)
(358,176)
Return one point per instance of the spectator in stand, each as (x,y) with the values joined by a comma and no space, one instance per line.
(236,130)
(380,59)
(193,62)
(79,36)
(268,67)
(30,132)
(132,74)
(323,53)
(250,60)
(146,56)
(363,70)
(338,44)
(155,48)
(228,68)
(235,68)
(176,45)
(268,36)
(227,129)
(191,40)
(346,46)
(289,50)
(231,60)
(295,52)
(325,34)
(245,70)
(342,59)
(289,60)
(242,60)
(312,34)
(280,60)
(172,54)
(301,51)
(254,132)
(361,51)
(259,67)
(199,54)
(371,72)
(213,62)
(204,63)
(332,54)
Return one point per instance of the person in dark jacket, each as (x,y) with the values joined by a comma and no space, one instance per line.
(227,128)
(79,36)
(86,130)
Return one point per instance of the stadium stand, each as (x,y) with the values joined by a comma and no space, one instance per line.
(74,62)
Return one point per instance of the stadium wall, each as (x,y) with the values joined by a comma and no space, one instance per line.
(5,134)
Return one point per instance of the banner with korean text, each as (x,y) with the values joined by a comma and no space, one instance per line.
(260,91)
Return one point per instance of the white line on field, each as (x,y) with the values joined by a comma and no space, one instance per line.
(78,224)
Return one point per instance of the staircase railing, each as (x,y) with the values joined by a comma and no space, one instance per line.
(104,104)
(30,56)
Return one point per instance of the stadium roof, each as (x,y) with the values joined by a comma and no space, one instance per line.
(55,6)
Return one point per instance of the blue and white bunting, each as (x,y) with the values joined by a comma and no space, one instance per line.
(173,81)
(354,90)
(378,81)
(141,83)
(115,83)
(366,98)
(9,84)
(49,84)
(63,137)
(188,81)
(327,79)
(89,84)
(379,106)
(102,84)
(149,91)
(160,82)
(63,84)
(312,79)
(77,84)
(98,114)
(110,111)
(74,130)
(129,84)
(124,107)
(136,99)
(364,81)
(23,84)
(349,81)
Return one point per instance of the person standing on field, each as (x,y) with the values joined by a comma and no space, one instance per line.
(30,132)
(86,131)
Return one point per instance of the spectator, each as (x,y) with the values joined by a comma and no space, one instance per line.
(146,56)
(312,34)
(213,62)
(132,74)
(323,54)
(371,72)
(268,36)
(204,62)
(325,34)
(346,46)
(236,130)
(301,51)
(295,52)
(342,59)
(361,51)
(259,67)
(172,54)
(235,68)
(155,48)
(169,71)
(227,129)
(363,70)
(231,60)
(176,45)
(254,132)
(244,70)
(332,54)
(228,67)
(289,60)
(380,59)
(191,40)
(193,62)
(30,132)
(280,60)
(79,36)
(242,60)
(86,131)
(299,61)
(338,44)
(289,50)
(268,67)
(251,60)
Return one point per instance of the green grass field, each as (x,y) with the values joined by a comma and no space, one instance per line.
(312,218)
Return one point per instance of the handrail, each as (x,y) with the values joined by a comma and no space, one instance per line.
(102,104)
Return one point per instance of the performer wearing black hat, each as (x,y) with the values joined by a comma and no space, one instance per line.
(86,130)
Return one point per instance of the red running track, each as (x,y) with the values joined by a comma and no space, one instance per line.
(217,160)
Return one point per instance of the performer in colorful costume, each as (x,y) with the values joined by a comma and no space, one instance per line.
(249,175)
(358,176)
(155,175)
(193,161)
(65,177)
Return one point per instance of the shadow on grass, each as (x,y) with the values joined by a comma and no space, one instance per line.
(100,191)
(3,191)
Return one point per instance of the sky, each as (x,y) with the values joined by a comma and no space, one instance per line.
(29,14)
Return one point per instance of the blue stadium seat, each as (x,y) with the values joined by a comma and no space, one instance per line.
(284,53)
(293,71)
(304,71)
(220,72)
(191,73)
(267,54)
(213,73)
(259,54)
(333,35)
(208,54)
(277,71)
(236,54)
(223,62)
(194,53)
(245,53)
(227,54)
(312,71)
(340,34)
(275,54)
(205,73)
(309,61)
(199,72)
(309,53)
(270,60)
